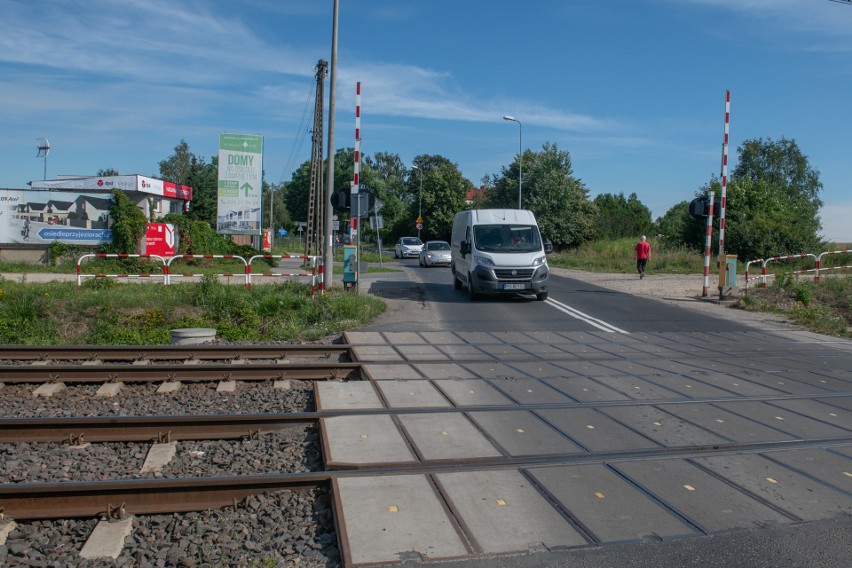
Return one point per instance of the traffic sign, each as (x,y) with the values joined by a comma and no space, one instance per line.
(419,220)
(419,226)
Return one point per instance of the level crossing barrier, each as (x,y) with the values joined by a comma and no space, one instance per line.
(312,274)
(316,273)
(81,276)
(171,259)
(816,270)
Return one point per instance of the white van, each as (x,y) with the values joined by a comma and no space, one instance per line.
(499,251)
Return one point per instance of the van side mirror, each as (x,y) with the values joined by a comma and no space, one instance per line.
(464,247)
(548,246)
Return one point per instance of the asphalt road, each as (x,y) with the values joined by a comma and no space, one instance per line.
(425,300)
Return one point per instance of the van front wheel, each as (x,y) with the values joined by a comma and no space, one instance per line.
(471,294)
(541,297)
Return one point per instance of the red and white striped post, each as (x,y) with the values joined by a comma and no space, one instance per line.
(707,245)
(724,182)
(356,184)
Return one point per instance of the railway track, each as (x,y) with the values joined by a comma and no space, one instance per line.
(95,354)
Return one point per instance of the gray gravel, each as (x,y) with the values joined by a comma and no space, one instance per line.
(287,528)
(141,399)
(277,529)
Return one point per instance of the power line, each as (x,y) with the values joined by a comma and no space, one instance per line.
(301,134)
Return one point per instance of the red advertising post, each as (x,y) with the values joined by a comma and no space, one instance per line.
(160,239)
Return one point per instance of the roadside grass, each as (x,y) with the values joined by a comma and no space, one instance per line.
(617,256)
(824,307)
(106,312)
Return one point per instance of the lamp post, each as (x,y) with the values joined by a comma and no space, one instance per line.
(420,198)
(520,154)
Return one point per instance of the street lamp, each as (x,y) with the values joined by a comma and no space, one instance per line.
(420,199)
(520,154)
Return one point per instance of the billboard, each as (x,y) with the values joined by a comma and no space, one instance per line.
(160,239)
(41,217)
(240,184)
(139,183)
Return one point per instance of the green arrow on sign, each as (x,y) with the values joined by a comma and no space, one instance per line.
(246,187)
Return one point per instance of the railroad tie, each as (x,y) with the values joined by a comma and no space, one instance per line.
(158,456)
(107,540)
(47,390)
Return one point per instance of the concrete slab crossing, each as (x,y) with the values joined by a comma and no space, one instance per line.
(567,439)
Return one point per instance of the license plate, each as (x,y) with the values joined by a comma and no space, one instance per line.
(520,286)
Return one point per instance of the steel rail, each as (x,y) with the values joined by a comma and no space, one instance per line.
(189,373)
(53,500)
(146,428)
(46,353)
(218,426)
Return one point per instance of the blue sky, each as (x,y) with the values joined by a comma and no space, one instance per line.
(633,89)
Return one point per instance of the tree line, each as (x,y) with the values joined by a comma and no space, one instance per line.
(772,198)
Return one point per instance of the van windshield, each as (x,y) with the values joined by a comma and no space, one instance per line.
(507,238)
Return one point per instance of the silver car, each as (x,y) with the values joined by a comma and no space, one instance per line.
(407,246)
(435,253)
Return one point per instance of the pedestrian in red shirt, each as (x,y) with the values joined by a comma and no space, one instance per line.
(643,252)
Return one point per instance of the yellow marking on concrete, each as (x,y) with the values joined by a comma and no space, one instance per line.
(772,481)
(364,436)
(520,430)
(445,433)
(720,421)
(847,474)
(689,487)
(779,418)
(832,414)
(600,495)
(472,392)
(501,502)
(658,423)
(393,509)
(590,427)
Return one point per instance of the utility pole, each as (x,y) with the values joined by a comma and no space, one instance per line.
(316,195)
(328,249)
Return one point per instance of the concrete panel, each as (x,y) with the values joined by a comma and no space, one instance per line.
(492,370)
(828,466)
(477,337)
(364,338)
(411,394)
(522,433)
(473,392)
(440,337)
(689,387)
(818,411)
(444,371)
(389,517)
(805,498)
(539,369)
(353,441)
(583,389)
(637,388)
(346,395)
(503,352)
(503,512)
(705,500)
(530,391)
(595,431)
(665,429)
(586,368)
(464,352)
(446,436)
(385,372)
(421,352)
(784,420)
(545,351)
(732,426)
(737,385)
(844,402)
(374,353)
(398,338)
(516,337)
(612,509)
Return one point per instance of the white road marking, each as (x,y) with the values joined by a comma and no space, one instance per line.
(575,313)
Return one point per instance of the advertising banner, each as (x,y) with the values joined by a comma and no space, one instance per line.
(41,217)
(240,184)
(139,183)
(160,239)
